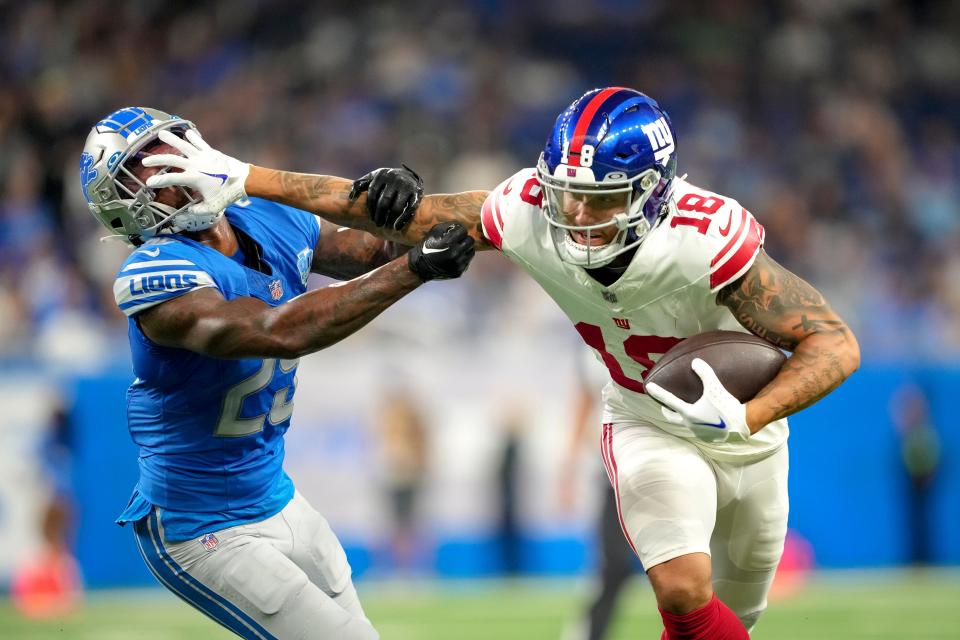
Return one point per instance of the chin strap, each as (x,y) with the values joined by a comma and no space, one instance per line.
(116,237)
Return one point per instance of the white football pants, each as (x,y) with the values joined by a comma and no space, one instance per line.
(674,500)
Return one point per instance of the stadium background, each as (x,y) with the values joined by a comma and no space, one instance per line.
(835,122)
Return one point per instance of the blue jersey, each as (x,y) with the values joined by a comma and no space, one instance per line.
(210,431)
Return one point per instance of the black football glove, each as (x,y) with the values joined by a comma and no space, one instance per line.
(392,195)
(445,253)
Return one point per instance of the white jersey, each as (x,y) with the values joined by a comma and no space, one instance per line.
(667,293)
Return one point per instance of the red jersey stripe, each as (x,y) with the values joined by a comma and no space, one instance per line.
(580,131)
(616,487)
(496,210)
(603,452)
(741,259)
(733,238)
(489,225)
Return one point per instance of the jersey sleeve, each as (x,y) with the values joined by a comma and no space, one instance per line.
(718,239)
(157,272)
(505,211)
(734,252)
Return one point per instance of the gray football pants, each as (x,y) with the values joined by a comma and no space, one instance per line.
(285,577)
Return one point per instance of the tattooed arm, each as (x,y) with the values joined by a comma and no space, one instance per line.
(345,253)
(327,196)
(781,308)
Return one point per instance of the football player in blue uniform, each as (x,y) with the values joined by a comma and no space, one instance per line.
(218,314)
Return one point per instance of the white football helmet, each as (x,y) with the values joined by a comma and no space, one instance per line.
(116,196)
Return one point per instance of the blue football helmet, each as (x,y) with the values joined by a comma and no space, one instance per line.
(613,148)
(115,195)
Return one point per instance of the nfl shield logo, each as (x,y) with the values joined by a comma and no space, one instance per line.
(276,289)
(608,296)
(209,542)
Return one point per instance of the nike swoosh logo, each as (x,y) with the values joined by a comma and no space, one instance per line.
(222,176)
(726,229)
(721,425)
(153,254)
(434,250)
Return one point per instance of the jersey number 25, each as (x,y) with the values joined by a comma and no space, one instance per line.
(231,425)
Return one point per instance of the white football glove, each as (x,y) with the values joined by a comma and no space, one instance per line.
(218,178)
(716,417)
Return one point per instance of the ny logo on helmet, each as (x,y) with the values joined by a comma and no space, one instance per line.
(660,139)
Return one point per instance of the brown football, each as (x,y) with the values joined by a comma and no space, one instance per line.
(744,363)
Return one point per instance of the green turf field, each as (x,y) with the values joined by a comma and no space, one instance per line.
(844,606)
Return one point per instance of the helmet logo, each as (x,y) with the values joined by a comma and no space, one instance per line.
(660,139)
(112,162)
(87,173)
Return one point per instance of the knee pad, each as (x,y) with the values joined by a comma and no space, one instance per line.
(329,559)
(750,620)
(265,577)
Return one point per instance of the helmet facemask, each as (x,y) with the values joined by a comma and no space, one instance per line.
(120,199)
(627,204)
(151,216)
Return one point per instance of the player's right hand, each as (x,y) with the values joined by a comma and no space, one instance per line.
(716,417)
(393,195)
(445,252)
(218,178)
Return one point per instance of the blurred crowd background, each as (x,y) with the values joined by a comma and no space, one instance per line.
(834,121)
(443,443)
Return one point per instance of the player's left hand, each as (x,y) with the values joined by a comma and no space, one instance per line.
(218,178)
(393,195)
(716,417)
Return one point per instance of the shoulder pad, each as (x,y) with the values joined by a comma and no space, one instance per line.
(158,271)
(719,231)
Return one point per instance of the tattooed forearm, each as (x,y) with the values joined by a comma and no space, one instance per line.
(325,196)
(316,192)
(818,366)
(808,325)
(781,308)
(345,253)
(328,196)
(320,194)
(464,208)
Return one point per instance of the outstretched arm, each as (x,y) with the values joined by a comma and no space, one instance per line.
(462,207)
(783,309)
(204,322)
(221,180)
(328,196)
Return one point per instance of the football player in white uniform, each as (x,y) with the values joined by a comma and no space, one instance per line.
(639,259)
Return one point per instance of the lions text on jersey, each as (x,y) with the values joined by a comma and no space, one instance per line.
(667,293)
(210,431)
